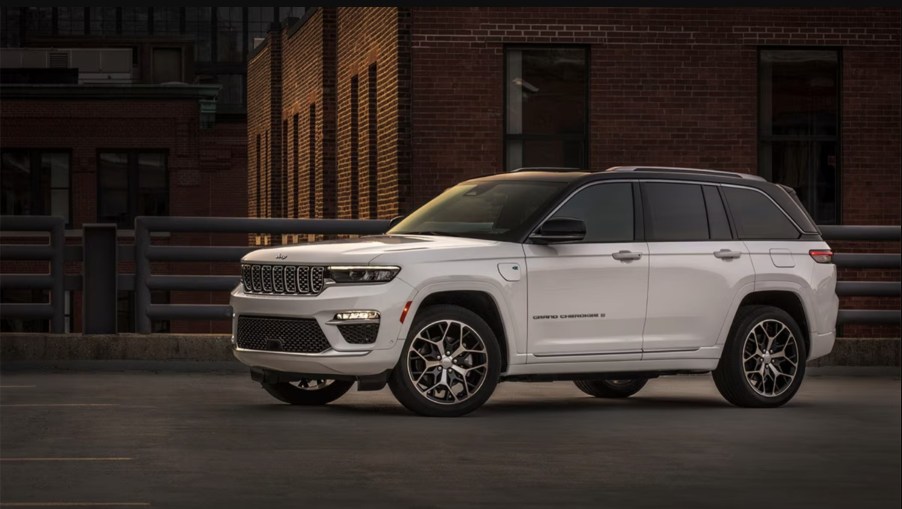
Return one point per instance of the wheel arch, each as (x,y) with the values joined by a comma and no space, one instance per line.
(786,300)
(480,302)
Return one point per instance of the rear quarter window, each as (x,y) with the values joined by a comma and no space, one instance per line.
(757,217)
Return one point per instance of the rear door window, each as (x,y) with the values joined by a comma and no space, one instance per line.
(674,212)
(757,217)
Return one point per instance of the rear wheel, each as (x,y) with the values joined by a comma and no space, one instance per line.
(763,361)
(308,392)
(621,388)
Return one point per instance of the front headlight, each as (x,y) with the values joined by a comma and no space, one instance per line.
(360,274)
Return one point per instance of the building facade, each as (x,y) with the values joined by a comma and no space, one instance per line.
(370,112)
(111,113)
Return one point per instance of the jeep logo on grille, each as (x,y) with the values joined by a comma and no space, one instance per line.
(273,344)
(281,256)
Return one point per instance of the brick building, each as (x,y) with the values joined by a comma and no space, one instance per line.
(370,112)
(111,113)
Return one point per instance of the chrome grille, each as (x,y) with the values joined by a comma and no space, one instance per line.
(299,335)
(282,279)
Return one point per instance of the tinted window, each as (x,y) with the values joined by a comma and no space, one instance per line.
(675,212)
(757,217)
(607,210)
(491,210)
(717,217)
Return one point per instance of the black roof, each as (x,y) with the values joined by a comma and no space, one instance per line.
(782,195)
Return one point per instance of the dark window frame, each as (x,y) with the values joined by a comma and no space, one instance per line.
(34,187)
(734,224)
(133,180)
(837,139)
(587,134)
(647,217)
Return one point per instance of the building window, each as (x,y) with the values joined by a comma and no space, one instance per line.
(295,165)
(35,183)
(167,20)
(10,27)
(798,126)
(39,21)
(104,20)
(258,21)
(198,21)
(546,118)
(229,34)
(135,21)
(70,20)
(131,184)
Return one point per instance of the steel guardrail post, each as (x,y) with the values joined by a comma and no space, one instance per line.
(57,271)
(142,275)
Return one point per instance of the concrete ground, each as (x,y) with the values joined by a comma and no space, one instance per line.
(137,439)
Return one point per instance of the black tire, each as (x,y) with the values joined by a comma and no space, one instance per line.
(446,402)
(622,388)
(288,392)
(752,390)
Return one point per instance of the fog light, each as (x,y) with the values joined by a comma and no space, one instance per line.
(356,315)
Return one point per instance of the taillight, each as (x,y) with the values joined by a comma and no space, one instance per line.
(822,255)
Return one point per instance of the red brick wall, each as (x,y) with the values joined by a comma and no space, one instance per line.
(207,171)
(259,108)
(667,86)
(308,58)
(369,36)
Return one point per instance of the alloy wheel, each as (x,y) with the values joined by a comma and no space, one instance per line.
(447,362)
(770,358)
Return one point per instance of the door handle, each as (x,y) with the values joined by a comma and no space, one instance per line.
(625,256)
(726,254)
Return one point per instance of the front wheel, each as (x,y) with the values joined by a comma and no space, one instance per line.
(763,361)
(450,363)
(620,388)
(308,392)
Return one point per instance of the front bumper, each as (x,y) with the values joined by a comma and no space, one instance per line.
(342,358)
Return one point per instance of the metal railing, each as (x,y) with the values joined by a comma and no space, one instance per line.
(145,253)
(866,261)
(105,282)
(52,252)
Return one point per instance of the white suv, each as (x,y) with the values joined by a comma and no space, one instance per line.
(605,278)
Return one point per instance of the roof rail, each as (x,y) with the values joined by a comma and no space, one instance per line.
(697,171)
(560,169)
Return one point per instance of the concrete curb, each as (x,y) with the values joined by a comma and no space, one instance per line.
(217,349)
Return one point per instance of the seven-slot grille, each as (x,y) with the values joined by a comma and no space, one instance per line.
(299,335)
(282,279)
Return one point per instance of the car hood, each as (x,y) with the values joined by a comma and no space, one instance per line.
(363,250)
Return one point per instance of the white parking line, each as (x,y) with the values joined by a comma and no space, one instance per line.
(60,405)
(74,504)
(67,459)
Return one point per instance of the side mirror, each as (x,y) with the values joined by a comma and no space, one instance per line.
(560,229)
(394,221)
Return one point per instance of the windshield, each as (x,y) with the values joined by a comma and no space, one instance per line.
(488,210)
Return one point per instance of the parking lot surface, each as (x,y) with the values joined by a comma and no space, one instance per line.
(144,439)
